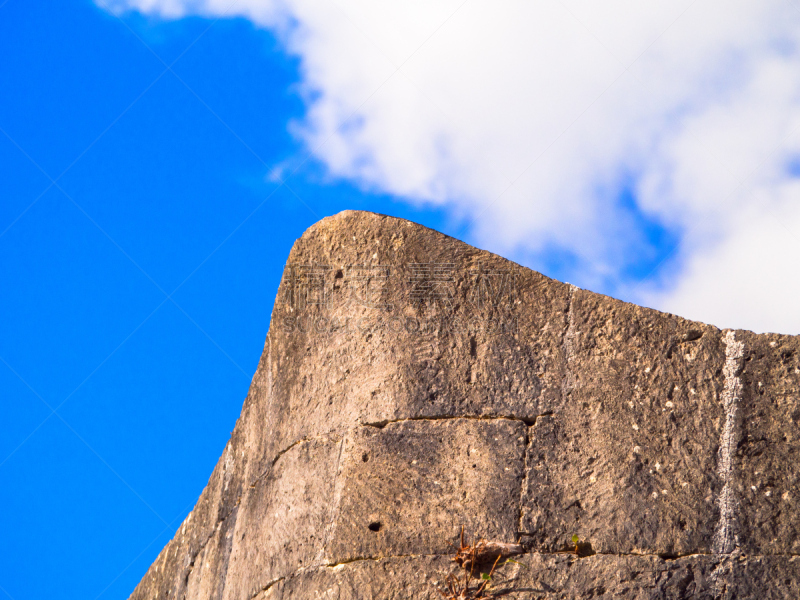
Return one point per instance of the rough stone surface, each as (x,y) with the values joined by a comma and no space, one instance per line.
(282,518)
(411,384)
(551,577)
(767,455)
(628,459)
(406,488)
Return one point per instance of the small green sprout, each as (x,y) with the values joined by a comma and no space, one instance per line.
(516,562)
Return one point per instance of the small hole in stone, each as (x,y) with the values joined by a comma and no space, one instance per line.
(692,335)
(365,457)
(374,526)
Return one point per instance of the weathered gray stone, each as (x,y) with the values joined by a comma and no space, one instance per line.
(387,579)
(628,461)
(283,518)
(479,351)
(407,488)
(209,569)
(767,453)
(411,385)
(551,577)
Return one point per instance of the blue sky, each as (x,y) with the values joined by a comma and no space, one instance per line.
(137,289)
(160,159)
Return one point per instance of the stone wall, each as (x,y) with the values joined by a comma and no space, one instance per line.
(412,385)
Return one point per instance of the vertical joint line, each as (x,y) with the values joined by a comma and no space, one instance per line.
(524,482)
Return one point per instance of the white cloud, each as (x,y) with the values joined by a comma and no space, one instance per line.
(530,117)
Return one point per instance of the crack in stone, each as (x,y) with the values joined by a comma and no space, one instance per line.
(341,564)
(266,587)
(278,456)
(358,559)
(373,559)
(569,352)
(203,545)
(529,421)
(524,484)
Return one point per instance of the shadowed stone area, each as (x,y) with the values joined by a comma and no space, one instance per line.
(412,385)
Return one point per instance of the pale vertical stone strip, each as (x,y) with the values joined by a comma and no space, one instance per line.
(725,538)
(725,534)
(569,345)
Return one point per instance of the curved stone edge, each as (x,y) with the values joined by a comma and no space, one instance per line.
(252,451)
